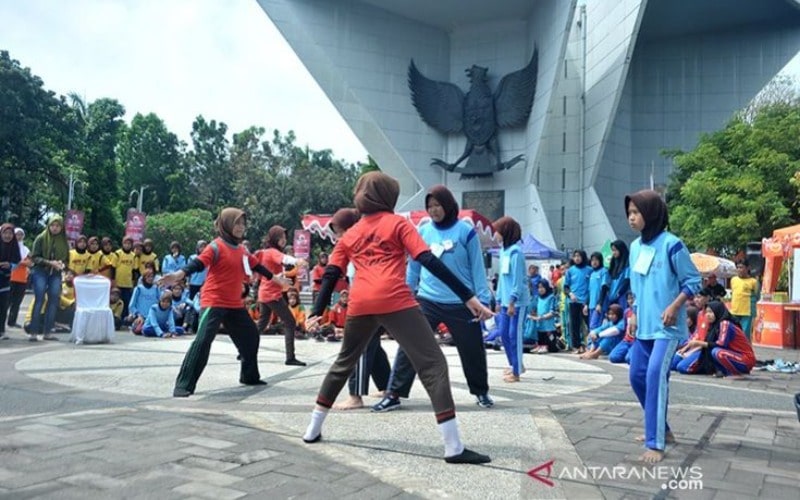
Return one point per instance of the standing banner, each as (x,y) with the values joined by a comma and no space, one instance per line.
(135,225)
(73,226)
(302,250)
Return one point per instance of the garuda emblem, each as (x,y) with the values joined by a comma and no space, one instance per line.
(478,114)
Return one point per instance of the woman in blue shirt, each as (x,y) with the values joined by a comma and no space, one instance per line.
(576,287)
(544,318)
(619,272)
(599,283)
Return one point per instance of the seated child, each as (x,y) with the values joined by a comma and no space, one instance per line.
(725,349)
(333,328)
(544,317)
(621,352)
(686,359)
(603,339)
(180,304)
(298,312)
(192,315)
(145,295)
(160,322)
(117,305)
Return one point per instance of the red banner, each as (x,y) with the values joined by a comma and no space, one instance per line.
(73,225)
(135,225)
(302,250)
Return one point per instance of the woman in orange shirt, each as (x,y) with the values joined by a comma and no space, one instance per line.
(377,246)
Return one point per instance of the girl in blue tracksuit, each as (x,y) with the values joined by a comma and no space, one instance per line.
(160,321)
(662,278)
(197,279)
(576,287)
(619,273)
(544,318)
(512,294)
(145,295)
(599,283)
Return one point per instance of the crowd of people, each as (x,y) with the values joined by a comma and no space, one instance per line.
(385,277)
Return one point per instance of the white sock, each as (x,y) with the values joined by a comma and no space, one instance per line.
(452,438)
(315,426)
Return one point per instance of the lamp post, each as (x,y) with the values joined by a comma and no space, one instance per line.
(71,194)
(139,194)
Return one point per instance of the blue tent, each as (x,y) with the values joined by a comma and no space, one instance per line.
(535,249)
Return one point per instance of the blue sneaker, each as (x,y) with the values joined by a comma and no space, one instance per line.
(484,401)
(386,404)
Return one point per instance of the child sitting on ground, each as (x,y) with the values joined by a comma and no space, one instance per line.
(603,339)
(621,352)
(298,312)
(333,329)
(180,304)
(160,322)
(117,305)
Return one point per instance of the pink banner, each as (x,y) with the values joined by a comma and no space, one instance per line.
(73,225)
(302,249)
(135,225)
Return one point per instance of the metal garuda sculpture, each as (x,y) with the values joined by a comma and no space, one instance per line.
(478,114)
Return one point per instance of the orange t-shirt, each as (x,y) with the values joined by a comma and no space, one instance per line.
(377,246)
(226,273)
(268,290)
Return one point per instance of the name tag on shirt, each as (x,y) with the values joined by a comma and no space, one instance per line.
(448,245)
(437,250)
(246,264)
(505,265)
(645,259)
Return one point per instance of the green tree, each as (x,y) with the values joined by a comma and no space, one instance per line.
(150,155)
(38,138)
(736,185)
(210,165)
(184,227)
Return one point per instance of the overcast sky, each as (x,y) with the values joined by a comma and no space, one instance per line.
(223,59)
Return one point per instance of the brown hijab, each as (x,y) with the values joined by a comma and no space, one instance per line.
(344,219)
(448,202)
(225,222)
(274,236)
(376,192)
(653,210)
(509,229)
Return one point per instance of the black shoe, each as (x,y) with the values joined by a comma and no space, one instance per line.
(181,393)
(484,401)
(255,382)
(316,439)
(295,362)
(332,338)
(386,404)
(468,457)
(319,338)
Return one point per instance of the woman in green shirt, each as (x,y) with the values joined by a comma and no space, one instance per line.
(50,256)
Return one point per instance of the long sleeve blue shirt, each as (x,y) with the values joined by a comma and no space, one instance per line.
(459,249)
(512,286)
(142,299)
(598,278)
(160,319)
(171,264)
(577,279)
(197,279)
(660,271)
(544,306)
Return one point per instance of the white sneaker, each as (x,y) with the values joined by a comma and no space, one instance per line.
(4,337)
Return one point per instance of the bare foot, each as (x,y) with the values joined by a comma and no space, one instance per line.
(508,371)
(379,394)
(511,378)
(592,354)
(652,456)
(668,439)
(351,403)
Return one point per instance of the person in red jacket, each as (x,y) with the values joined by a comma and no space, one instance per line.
(270,294)
(378,245)
(229,265)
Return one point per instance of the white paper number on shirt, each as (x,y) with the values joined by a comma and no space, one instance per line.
(645,259)
(437,250)
(246,264)
(505,265)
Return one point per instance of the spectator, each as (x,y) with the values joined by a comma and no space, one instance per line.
(621,352)
(604,338)
(619,273)
(50,256)
(19,279)
(124,273)
(576,286)
(599,284)
(145,296)
(117,305)
(79,256)
(197,279)
(175,260)
(9,259)
(160,321)
(743,289)
(544,317)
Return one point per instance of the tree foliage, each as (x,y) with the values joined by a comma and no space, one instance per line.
(739,183)
(45,138)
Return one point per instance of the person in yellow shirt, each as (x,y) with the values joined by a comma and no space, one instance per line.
(95,255)
(117,305)
(148,255)
(126,265)
(79,257)
(744,288)
(108,258)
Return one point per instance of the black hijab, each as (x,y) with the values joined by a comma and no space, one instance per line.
(618,264)
(9,252)
(584,259)
(721,314)
(448,202)
(653,210)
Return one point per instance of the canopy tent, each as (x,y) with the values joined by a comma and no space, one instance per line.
(535,249)
(711,264)
(318,224)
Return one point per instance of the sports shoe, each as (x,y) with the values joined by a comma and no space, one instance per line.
(386,404)
(50,336)
(468,457)
(484,401)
